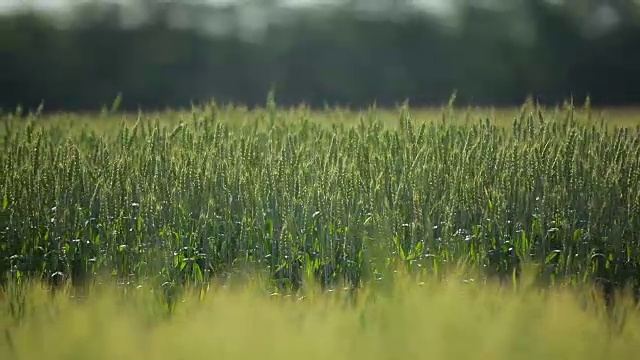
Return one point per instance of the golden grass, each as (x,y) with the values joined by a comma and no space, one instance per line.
(241,116)
(455,320)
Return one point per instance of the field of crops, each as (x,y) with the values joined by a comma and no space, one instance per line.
(282,233)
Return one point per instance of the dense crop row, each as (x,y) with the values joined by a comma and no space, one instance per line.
(339,204)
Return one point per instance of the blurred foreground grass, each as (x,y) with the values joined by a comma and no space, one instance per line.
(404,320)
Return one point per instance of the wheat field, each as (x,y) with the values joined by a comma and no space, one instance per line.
(227,232)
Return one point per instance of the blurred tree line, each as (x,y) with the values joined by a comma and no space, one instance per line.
(173,53)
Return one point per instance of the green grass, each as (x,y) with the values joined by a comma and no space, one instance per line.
(174,202)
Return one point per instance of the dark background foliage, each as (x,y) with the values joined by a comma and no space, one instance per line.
(342,56)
